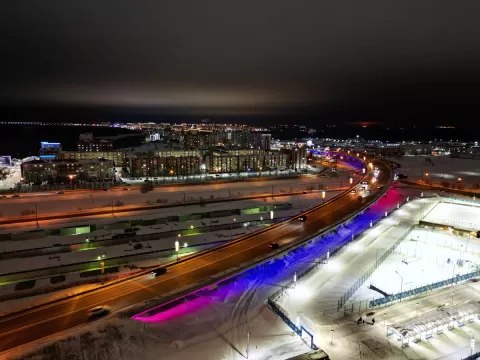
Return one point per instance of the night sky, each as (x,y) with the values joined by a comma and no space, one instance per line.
(404,60)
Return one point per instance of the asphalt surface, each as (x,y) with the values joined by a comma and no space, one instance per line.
(32,325)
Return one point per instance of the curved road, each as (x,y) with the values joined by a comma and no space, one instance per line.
(31,325)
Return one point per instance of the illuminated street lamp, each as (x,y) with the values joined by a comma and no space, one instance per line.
(364,158)
(351,181)
(459,179)
(177,246)
(472,343)
(363,170)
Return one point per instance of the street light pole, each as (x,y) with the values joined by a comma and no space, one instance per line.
(331,340)
(177,245)
(248,344)
(472,343)
(401,284)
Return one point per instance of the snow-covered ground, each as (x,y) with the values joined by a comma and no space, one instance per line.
(440,168)
(215,325)
(85,200)
(302,201)
(457,216)
(92,252)
(426,255)
(320,292)
(421,258)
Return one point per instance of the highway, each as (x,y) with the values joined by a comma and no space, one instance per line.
(32,325)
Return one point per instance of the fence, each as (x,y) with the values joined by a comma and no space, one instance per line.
(422,289)
(286,319)
(331,252)
(348,294)
(473,356)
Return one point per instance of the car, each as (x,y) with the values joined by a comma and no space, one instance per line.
(159,271)
(360,198)
(364,183)
(302,218)
(60,193)
(15,196)
(126,189)
(98,311)
(379,186)
(305,192)
(273,245)
(353,191)
(106,190)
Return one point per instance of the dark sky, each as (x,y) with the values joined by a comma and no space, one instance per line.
(237,57)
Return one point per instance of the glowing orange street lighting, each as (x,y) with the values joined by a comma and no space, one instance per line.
(323,194)
(459,179)
(426,174)
(351,181)
(172,172)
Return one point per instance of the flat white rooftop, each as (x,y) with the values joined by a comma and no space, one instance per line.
(466,217)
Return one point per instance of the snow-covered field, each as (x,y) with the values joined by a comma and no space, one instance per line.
(422,258)
(299,203)
(457,216)
(440,168)
(85,200)
(215,324)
